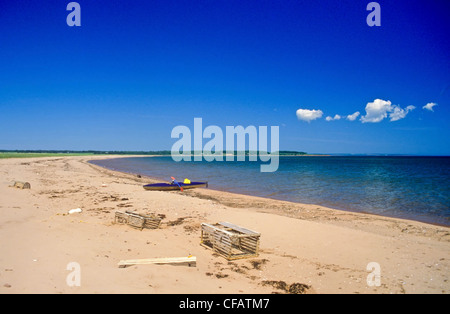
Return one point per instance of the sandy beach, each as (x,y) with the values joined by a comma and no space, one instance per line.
(320,249)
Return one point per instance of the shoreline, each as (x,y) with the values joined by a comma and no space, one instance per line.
(156,180)
(277,206)
(325,249)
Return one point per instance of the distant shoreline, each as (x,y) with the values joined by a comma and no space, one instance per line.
(29,154)
(165,153)
(69,153)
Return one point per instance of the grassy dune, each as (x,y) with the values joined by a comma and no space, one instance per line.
(31,155)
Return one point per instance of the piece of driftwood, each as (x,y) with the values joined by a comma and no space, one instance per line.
(230,241)
(21,185)
(138,221)
(189,261)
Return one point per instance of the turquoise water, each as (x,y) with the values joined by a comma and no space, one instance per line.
(406,187)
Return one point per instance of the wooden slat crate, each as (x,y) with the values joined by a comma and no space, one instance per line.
(121,218)
(230,241)
(137,220)
(152,222)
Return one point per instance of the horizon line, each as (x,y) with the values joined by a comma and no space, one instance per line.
(193,153)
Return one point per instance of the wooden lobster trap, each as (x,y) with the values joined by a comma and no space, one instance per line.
(138,221)
(230,241)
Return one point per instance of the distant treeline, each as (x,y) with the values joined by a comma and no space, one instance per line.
(159,152)
(90,152)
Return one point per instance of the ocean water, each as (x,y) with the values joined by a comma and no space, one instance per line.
(405,187)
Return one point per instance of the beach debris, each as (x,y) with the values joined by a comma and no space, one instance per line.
(74,211)
(294,288)
(229,240)
(176,222)
(21,185)
(138,221)
(189,261)
(258,263)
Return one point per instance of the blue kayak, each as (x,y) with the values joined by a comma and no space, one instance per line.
(173,186)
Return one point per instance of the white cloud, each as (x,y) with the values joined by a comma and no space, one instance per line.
(336,117)
(376,111)
(399,113)
(379,109)
(352,117)
(309,115)
(429,106)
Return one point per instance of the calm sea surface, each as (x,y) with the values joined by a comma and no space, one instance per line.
(406,187)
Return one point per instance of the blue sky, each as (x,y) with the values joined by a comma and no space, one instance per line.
(134,70)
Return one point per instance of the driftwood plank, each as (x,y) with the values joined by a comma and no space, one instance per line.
(190,261)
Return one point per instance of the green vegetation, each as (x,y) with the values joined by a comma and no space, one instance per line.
(65,153)
(291,153)
(31,155)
